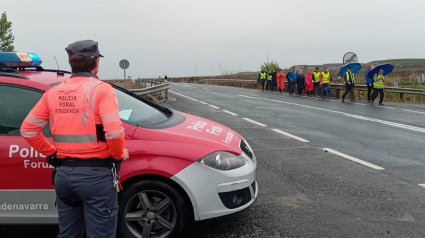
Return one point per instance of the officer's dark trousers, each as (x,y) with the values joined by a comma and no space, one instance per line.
(86,201)
(262,85)
(349,88)
(375,94)
(369,92)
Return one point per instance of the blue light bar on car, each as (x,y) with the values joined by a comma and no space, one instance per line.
(19,59)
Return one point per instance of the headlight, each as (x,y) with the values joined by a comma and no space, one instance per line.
(223,161)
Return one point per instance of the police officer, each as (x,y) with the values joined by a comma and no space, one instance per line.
(88,145)
(349,84)
(378,87)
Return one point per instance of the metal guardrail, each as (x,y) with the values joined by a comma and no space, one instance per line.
(401,91)
(334,86)
(153,89)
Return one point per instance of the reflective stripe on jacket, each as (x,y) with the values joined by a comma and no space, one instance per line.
(73,109)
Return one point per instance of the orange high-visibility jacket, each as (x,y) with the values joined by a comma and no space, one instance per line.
(73,109)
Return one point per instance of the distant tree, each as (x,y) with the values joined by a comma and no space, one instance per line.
(6,37)
(270,67)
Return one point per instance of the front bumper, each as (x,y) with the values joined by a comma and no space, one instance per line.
(215,193)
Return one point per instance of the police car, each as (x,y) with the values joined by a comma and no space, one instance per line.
(182,168)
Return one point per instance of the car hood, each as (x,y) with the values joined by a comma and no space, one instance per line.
(196,136)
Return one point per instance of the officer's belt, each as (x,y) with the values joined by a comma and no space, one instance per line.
(93,162)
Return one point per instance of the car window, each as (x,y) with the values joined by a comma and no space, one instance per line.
(136,112)
(15,104)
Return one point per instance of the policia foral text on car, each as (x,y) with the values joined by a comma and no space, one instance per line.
(88,145)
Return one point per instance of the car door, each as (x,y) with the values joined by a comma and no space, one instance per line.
(26,191)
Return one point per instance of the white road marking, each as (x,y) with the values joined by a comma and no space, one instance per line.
(203,102)
(255,122)
(196,100)
(290,135)
(388,107)
(389,123)
(422,185)
(206,89)
(187,86)
(403,126)
(229,112)
(370,165)
(213,106)
(248,96)
(413,111)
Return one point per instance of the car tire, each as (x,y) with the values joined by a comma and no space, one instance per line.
(152,207)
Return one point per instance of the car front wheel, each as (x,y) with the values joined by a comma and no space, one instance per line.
(152,208)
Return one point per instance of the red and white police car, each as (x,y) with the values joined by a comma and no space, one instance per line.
(181,167)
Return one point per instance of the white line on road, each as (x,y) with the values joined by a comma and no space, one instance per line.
(290,135)
(229,112)
(389,123)
(422,185)
(213,106)
(203,102)
(353,159)
(255,122)
(184,96)
(246,96)
(187,86)
(413,111)
(206,89)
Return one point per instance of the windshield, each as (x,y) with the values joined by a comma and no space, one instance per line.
(136,112)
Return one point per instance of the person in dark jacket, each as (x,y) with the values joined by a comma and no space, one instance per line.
(292,79)
(349,84)
(274,82)
(300,82)
(369,83)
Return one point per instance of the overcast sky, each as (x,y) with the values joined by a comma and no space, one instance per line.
(197,37)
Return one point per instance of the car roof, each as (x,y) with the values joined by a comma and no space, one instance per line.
(41,79)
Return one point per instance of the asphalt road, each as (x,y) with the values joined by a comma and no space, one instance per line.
(370,190)
(305,191)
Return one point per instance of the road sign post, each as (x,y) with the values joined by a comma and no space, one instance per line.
(124,64)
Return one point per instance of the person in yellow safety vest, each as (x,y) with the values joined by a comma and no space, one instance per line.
(325,80)
(316,81)
(350,81)
(378,87)
(262,76)
(269,82)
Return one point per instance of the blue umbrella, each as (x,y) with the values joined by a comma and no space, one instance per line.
(355,67)
(388,68)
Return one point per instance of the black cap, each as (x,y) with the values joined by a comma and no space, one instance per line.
(88,48)
(317,68)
